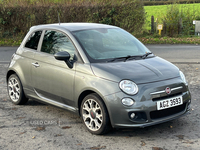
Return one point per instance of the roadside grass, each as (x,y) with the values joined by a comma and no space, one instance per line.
(16,41)
(170,40)
(11,41)
(160,10)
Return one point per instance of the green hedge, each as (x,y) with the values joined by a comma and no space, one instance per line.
(18,19)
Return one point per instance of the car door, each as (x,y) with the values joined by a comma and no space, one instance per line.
(27,52)
(53,80)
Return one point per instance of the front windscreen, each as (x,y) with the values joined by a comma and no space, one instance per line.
(102,45)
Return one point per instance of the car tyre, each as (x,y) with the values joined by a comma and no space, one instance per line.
(95,115)
(15,90)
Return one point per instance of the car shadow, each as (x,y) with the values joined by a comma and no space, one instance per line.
(34,103)
(159,130)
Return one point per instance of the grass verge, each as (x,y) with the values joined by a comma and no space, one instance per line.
(170,40)
(16,41)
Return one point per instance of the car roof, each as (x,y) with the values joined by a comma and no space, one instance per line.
(73,26)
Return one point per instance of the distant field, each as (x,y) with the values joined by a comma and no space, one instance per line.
(159,10)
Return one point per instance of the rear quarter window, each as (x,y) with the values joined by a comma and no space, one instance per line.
(33,40)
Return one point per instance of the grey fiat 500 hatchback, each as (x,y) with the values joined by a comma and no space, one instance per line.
(100,72)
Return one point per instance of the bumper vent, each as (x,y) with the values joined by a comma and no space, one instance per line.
(167,112)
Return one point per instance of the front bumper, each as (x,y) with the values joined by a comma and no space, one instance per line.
(145,107)
(146,124)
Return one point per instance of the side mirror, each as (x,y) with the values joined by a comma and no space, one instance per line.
(64,56)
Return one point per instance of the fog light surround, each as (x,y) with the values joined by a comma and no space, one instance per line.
(128,101)
(139,117)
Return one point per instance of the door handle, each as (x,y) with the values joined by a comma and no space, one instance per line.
(36,64)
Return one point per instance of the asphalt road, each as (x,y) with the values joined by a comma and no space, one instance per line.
(177,53)
(6,53)
(172,53)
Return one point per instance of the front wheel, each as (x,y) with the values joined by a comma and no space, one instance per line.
(95,115)
(15,90)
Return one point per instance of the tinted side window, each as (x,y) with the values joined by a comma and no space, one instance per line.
(33,40)
(54,42)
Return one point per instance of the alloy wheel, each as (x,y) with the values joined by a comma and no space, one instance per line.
(14,89)
(92,114)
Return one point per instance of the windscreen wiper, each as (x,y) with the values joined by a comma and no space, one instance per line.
(145,55)
(125,58)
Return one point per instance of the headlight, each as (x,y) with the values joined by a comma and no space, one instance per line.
(129,87)
(183,77)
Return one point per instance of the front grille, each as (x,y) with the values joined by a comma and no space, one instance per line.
(167,112)
(166,97)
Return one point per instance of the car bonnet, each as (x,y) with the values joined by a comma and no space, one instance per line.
(140,71)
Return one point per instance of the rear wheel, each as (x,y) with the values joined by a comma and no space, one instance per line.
(15,90)
(94,114)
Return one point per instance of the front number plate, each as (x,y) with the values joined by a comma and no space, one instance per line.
(167,103)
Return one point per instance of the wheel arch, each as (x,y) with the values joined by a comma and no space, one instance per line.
(84,94)
(9,73)
(18,71)
(81,97)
